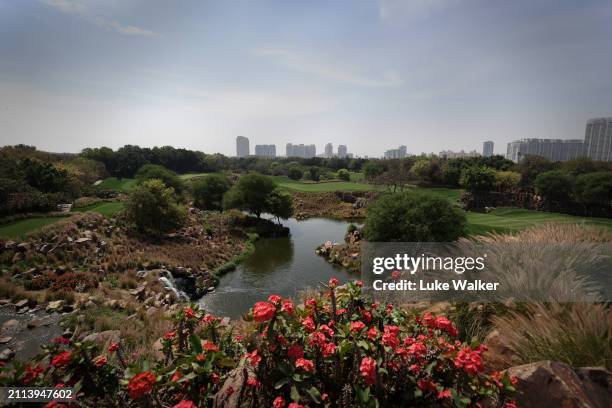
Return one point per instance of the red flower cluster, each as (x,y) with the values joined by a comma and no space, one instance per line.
(141,384)
(304,364)
(367,368)
(470,360)
(62,359)
(263,311)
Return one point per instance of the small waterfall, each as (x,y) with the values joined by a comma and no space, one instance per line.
(169,283)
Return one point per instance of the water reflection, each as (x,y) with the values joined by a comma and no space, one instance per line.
(281,266)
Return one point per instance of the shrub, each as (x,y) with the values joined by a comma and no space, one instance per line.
(314,173)
(344,174)
(154,171)
(594,188)
(372,169)
(554,184)
(425,170)
(477,179)
(295,173)
(412,217)
(506,181)
(208,191)
(339,349)
(152,208)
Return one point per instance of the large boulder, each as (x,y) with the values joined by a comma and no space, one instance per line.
(107,336)
(234,392)
(549,384)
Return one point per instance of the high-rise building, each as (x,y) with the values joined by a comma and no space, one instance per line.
(552,149)
(449,154)
(310,151)
(399,153)
(302,151)
(598,139)
(289,150)
(265,150)
(342,151)
(487,148)
(329,150)
(242,146)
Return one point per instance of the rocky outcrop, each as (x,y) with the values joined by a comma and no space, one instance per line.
(234,392)
(548,384)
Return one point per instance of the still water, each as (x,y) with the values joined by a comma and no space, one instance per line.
(282,266)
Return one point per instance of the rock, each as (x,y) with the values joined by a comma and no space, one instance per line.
(232,392)
(4,302)
(498,355)
(34,323)
(5,339)
(6,354)
(110,336)
(17,257)
(151,311)
(142,274)
(111,303)
(10,324)
(21,304)
(139,292)
(55,306)
(549,384)
(23,247)
(83,240)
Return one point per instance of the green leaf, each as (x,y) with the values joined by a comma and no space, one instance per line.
(279,384)
(314,394)
(196,344)
(295,395)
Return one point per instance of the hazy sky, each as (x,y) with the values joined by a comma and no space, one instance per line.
(371,74)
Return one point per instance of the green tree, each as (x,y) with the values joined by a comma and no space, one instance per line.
(280,204)
(314,173)
(413,217)
(294,173)
(250,194)
(531,166)
(477,179)
(154,171)
(594,188)
(425,170)
(553,184)
(208,191)
(152,208)
(344,174)
(372,169)
(507,180)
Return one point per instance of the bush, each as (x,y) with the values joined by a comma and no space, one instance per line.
(554,184)
(295,173)
(594,188)
(344,175)
(507,181)
(425,170)
(208,191)
(339,349)
(413,217)
(152,208)
(154,171)
(314,173)
(477,179)
(372,169)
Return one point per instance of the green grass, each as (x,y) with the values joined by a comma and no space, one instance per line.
(514,219)
(19,229)
(286,182)
(190,176)
(113,183)
(105,208)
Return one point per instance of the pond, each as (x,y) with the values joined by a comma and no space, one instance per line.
(282,266)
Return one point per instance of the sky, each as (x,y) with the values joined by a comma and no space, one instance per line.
(371,74)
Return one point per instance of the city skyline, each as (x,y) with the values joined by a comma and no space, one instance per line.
(431,75)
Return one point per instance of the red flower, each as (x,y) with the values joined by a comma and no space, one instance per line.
(316,339)
(55,404)
(304,364)
(170,335)
(444,394)
(176,376)
(208,318)
(141,384)
(395,274)
(367,315)
(443,323)
(326,329)
(31,374)
(418,349)
(113,347)
(61,340)
(263,311)
(470,360)
(215,378)
(200,357)
(310,302)
(367,368)
(253,357)
(333,282)
(210,346)
(295,351)
(359,283)
(329,349)
(274,299)
(510,404)
(185,404)
(61,359)
(357,326)
(253,382)
(427,385)
(189,313)
(100,361)
(288,307)
(295,405)
(308,324)
(279,402)
(372,333)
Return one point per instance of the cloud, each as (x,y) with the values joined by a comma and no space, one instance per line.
(328,70)
(79,8)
